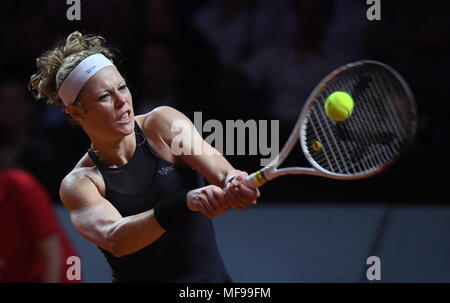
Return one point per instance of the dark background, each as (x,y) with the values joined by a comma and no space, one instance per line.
(235,59)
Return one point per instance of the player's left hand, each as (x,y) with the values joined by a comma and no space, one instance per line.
(238,195)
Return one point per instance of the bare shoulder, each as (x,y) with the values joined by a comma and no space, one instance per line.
(81,184)
(87,168)
(157,124)
(160,117)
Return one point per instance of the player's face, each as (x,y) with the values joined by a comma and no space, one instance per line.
(108,104)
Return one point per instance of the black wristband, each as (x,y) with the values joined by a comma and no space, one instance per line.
(171,210)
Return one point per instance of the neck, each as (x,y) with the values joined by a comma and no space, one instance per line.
(114,153)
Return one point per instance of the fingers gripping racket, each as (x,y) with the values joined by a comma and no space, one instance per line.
(380,128)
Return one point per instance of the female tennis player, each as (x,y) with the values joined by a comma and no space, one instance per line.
(145,207)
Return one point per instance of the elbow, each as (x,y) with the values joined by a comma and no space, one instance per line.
(117,251)
(114,244)
(116,248)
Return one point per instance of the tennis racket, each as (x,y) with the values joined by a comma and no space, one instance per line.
(380,128)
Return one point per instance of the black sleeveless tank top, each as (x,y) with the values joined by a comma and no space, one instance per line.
(189,252)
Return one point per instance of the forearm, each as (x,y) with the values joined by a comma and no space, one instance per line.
(132,233)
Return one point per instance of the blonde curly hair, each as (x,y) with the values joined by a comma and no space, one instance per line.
(54,65)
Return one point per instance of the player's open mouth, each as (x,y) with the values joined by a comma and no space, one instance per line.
(125,117)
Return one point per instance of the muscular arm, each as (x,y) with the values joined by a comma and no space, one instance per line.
(172,128)
(97,220)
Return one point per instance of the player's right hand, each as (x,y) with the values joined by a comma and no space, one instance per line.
(210,200)
(238,195)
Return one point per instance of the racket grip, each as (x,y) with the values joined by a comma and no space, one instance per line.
(255,180)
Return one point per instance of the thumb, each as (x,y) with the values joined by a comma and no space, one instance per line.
(239,178)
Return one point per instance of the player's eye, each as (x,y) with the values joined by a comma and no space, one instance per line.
(104,97)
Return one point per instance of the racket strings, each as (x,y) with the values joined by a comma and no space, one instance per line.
(378,115)
(374,115)
(393,120)
(366,125)
(346,134)
(375,133)
(337,166)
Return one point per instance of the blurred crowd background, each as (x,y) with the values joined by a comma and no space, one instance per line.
(233,59)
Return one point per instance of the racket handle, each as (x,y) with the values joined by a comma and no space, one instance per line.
(255,180)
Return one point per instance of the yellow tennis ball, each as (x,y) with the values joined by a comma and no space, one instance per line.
(316,146)
(339,106)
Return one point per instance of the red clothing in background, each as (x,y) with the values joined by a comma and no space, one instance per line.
(26,215)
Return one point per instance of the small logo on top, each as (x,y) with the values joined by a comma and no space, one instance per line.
(166,170)
(90,69)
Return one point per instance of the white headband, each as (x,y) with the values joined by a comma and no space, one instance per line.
(72,85)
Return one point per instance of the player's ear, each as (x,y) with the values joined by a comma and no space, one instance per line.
(76,112)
